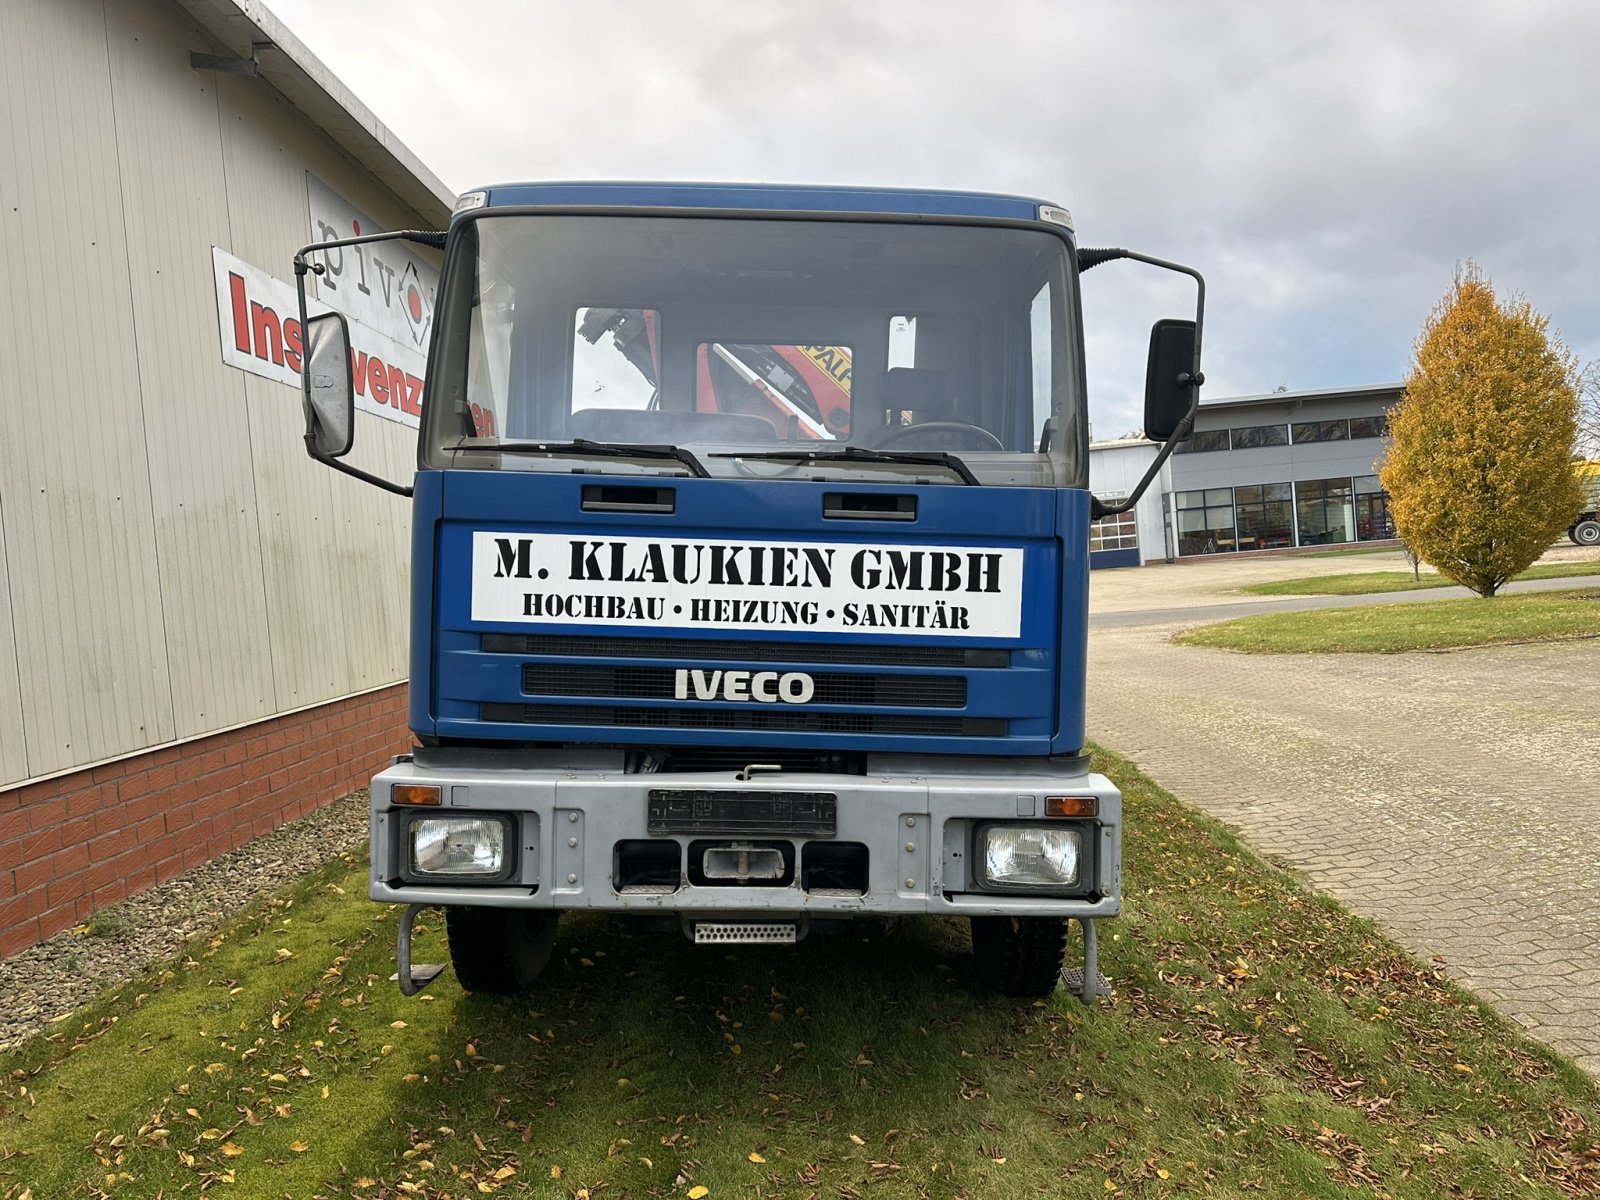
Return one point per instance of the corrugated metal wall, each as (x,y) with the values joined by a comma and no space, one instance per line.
(173,563)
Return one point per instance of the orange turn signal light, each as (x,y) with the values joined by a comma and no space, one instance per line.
(1071,806)
(416,793)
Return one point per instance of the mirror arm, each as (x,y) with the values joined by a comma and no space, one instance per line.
(301,267)
(399,489)
(1103,508)
(1194,378)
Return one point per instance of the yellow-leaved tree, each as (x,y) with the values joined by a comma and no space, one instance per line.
(1479,465)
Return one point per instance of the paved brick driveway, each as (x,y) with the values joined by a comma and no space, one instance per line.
(1454,797)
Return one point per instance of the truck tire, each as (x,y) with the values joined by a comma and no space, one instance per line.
(1586,533)
(499,951)
(1019,956)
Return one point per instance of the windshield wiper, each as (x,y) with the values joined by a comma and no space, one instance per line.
(861,454)
(584,446)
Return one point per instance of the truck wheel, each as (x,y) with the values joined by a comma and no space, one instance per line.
(1019,956)
(499,951)
(1586,533)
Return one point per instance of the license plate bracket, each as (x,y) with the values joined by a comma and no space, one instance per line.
(697,810)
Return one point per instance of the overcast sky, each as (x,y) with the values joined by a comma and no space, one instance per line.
(1324,165)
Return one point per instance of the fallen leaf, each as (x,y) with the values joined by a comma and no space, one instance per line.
(698,1190)
(555,1172)
(858,1141)
(756,1158)
(1164,1173)
(397,1024)
(211,1135)
(299,1147)
(229,1150)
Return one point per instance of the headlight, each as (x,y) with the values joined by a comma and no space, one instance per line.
(1030,856)
(460,848)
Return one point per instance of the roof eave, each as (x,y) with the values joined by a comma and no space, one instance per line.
(306,83)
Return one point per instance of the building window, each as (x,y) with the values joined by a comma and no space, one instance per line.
(1373,522)
(1204,439)
(1205,521)
(1118,531)
(1251,436)
(1265,516)
(1323,512)
(1369,427)
(1321,431)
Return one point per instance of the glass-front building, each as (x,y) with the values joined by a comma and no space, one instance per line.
(1281,471)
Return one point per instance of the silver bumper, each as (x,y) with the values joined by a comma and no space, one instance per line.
(917,829)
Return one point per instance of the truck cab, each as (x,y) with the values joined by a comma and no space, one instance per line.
(750,574)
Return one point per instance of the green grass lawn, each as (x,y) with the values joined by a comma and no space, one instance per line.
(1360,583)
(1389,628)
(1262,1041)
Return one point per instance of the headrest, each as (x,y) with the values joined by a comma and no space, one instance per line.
(926,391)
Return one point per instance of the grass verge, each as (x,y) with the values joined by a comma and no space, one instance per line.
(1262,1041)
(1390,628)
(1361,583)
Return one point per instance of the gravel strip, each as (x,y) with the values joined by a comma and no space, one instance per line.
(65,972)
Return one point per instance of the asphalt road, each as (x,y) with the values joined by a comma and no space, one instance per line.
(1451,797)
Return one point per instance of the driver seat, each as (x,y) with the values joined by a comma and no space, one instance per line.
(927,393)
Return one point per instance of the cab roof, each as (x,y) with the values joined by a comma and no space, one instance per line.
(763,197)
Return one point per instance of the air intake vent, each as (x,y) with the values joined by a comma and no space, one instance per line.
(716,650)
(787,721)
(657,683)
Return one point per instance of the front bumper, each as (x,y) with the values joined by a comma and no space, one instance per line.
(916,827)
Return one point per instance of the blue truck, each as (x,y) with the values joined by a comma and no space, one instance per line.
(687,648)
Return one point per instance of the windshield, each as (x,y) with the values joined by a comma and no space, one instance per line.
(846,350)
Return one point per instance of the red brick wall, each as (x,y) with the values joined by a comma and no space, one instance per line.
(79,842)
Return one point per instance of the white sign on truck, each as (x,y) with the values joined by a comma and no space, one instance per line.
(707,583)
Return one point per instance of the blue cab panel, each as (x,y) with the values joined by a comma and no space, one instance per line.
(897,201)
(647,677)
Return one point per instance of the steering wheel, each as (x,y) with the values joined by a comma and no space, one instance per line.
(938,435)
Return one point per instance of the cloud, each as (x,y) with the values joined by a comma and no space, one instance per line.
(1325,165)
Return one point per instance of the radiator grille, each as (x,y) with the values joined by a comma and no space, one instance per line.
(717,650)
(799,720)
(657,683)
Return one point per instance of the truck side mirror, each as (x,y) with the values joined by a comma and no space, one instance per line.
(1170,382)
(326,387)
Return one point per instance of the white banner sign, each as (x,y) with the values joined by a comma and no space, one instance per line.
(259,319)
(825,587)
(383,286)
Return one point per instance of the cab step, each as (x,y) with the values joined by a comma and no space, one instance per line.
(746,932)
